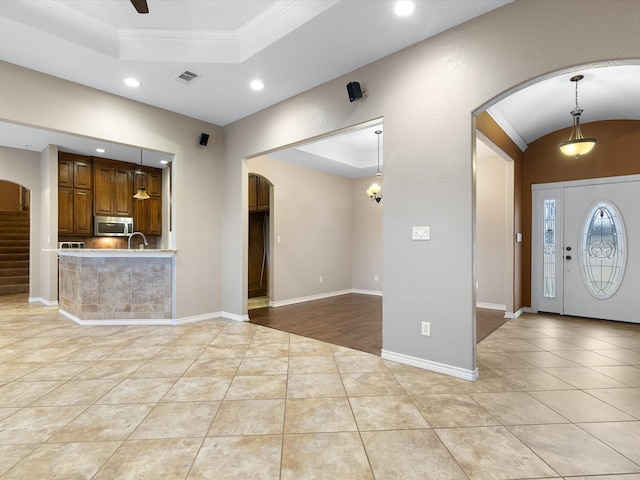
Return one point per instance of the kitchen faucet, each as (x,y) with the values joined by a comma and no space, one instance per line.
(136,233)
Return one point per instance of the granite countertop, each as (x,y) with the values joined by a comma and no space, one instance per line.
(115,252)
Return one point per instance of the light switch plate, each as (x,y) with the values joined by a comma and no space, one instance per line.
(421,233)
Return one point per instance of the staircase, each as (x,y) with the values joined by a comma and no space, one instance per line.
(14,252)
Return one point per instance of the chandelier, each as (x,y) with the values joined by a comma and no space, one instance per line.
(577,145)
(374,190)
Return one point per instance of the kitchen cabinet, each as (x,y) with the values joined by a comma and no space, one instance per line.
(258,194)
(74,171)
(75,206)
(113,188)
(147,214)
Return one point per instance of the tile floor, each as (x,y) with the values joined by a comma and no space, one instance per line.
(557,398)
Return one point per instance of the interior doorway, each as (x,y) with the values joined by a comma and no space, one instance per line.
(14,238)
(259,244)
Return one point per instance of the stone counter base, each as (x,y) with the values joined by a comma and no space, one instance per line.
(119,289)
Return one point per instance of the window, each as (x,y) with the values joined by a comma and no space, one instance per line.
(549,250)
(603,251)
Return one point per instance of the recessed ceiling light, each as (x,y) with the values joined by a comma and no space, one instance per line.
(28,146)
(404,7)
(256,85)
(100,150)
(131,82)
(164,162)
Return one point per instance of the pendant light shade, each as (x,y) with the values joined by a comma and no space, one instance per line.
(141,194)
(374,190)
(577,145)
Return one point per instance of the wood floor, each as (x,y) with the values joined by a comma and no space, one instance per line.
(353,321)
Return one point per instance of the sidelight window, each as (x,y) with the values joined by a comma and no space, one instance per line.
(549,250)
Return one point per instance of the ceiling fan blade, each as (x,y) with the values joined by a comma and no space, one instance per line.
(140,6)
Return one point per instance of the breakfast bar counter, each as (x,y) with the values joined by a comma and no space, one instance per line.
(116,287)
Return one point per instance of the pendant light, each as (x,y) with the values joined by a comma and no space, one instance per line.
(374,190)
(577,145)
(141,194)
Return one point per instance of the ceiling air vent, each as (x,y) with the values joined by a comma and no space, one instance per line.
(187,77)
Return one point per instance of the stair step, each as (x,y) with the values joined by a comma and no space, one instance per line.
(14,242)
(16,236)
(14,252)
(18,280)
(11,289)
(5,264)
(13,249)
(14,271)
(12,257)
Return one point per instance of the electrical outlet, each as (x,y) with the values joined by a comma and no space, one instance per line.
(426,329)
(375,278)
(320,279)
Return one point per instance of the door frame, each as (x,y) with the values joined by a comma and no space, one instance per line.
(540,192)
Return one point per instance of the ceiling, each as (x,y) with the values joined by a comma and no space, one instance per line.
(291,46)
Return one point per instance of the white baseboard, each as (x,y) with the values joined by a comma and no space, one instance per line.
(516,314)
(142,321)
(196,318)
(319,296)
(492,306)
(48,303)
(376,293)
(450,370)
(234,317)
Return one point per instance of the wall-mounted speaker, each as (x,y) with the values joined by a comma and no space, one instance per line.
(355,93)
(204,139)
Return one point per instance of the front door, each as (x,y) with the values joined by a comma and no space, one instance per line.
(588,263)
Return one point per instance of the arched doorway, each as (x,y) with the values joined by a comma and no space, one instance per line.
(14,238)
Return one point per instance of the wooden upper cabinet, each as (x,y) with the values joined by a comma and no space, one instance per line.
(75,205)
(65,173)
(258,194)
(65,211)
(263,194)
(102,185)
(82,175)
(147,217)
(74,171)
(154,182)
(113,188)
(253,193)
(123,192)
(82,212)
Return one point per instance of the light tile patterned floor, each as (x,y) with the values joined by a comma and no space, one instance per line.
(557,397)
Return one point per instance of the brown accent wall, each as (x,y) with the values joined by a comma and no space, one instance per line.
(9,196)
(493,132)
(616,153)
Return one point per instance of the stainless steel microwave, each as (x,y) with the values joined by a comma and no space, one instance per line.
(112,226)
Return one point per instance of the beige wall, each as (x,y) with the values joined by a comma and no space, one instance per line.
(427,95)
(327,226)
(366,237)
(491,221)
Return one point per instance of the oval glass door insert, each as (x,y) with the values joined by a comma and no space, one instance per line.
(603,250)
